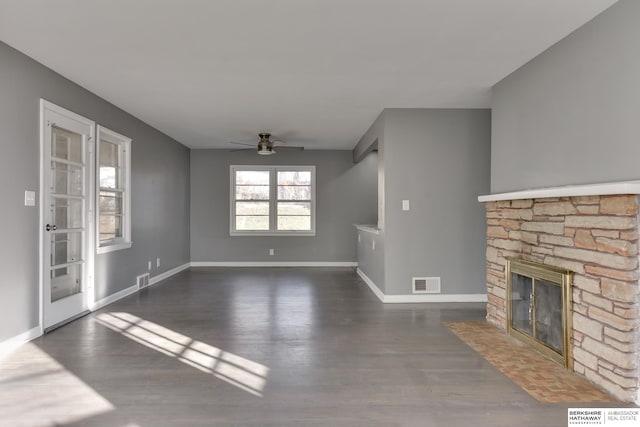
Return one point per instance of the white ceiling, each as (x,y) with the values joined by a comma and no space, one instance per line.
(313,72)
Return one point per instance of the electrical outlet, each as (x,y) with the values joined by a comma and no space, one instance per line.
(272,252)
(157,262)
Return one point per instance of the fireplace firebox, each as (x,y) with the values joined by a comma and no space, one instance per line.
(539,307)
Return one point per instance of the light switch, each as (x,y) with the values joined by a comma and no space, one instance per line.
(29,198)
(405,205)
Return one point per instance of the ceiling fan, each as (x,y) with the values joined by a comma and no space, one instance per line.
(266,145)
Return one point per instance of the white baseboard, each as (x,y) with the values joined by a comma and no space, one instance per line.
(272,264)
(9,345)
(133,289)
(155,279)
(376,290)
(114,297)
(419,298)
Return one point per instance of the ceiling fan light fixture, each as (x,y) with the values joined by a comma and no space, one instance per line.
(265,151)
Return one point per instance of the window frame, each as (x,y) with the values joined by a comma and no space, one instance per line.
(124,160)
(273,200)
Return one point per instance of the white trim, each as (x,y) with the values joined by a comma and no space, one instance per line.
(155,279)
(272,264)
(609,188)
(273,201)
(114,297)
(407,299)
(134,288)
(124,153)
(367,228)
(371,284)
(11,344)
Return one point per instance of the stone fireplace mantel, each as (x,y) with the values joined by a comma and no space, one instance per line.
(591,230)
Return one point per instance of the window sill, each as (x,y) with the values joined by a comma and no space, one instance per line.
(113,247)
(271,234)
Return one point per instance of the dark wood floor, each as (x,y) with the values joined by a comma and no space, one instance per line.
(256,347)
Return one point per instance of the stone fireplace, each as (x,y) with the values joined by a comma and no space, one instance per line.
(591,231)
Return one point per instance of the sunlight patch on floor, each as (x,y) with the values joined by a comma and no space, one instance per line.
(233,369)
(36,390)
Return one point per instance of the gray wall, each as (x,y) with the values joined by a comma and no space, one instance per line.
(160,189)
(345,192)
(439,160)
(571,115)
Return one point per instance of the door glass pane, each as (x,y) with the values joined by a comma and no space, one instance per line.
(66,281)
(66,213)
(548,314)
(521,314)
(66,179)
(66,247)
(66,145)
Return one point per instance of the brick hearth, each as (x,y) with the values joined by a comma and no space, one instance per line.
(596,237)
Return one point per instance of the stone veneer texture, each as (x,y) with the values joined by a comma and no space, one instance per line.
(596,237)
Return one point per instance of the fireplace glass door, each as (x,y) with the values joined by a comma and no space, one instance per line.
(538,307)
(536,310)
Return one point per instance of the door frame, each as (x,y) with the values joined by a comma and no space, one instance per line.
(89,220)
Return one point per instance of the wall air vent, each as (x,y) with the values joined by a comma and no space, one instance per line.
(426,285)
(143,280)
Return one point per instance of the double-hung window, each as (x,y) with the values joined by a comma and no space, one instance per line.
(114,191)
(273,200)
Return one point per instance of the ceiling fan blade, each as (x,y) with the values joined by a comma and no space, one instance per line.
(277,142)
(242,149)
(290,148)
(242,143)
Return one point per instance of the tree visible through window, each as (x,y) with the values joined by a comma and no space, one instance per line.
(276,200)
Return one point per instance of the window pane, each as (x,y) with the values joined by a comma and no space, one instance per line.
(109,177)
(299,208)
(294,178)
(297,223)
(108,154)
(110,202)
(252,177)
(252,208)
(288,192)
(252,222)
(252,192)
(110,227)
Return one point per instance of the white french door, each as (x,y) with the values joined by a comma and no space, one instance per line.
(66,216)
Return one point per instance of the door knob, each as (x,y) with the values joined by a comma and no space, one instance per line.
(50,227)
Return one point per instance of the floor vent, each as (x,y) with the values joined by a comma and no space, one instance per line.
(426,285)
(143,280)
